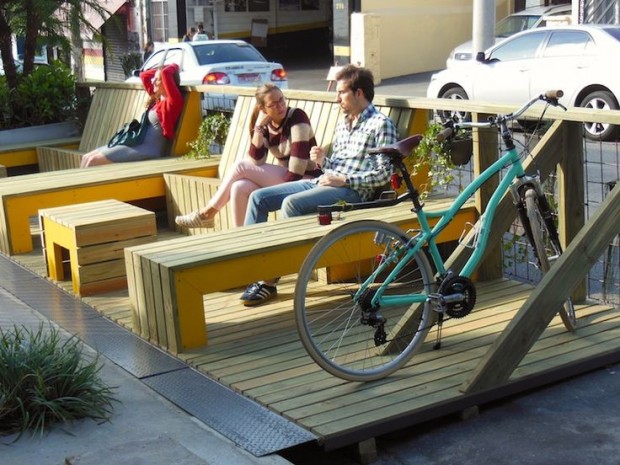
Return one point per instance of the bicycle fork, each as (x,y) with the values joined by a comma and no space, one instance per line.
(530,185)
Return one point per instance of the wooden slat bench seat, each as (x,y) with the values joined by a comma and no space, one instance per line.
(113,105)
(187,193)
(22,196)
(24,154)
(168,280)
(93,235)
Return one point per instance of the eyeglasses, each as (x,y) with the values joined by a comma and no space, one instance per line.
(277,103)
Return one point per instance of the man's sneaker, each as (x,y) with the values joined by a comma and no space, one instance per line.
(257,293)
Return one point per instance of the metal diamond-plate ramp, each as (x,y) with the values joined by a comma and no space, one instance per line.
(124,348)
(243,421)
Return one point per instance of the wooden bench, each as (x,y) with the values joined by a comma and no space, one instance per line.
(185,194)
(21,154)
(21,197)
(168,280)
(93,236)
(114,104)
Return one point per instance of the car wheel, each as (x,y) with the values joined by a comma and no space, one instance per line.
(454,93)
(600,100)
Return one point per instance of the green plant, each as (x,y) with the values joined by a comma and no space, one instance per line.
(130,61)
(47,95)
(437,157)
(213,130)
(46,379)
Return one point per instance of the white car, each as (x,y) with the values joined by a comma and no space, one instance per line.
(218,62)
(529,18)
(583,61)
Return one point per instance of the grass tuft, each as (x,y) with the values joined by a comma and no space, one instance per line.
(45,379)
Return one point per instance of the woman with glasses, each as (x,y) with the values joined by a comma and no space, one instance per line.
(276,129)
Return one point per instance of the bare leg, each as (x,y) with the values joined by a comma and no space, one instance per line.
(245,177)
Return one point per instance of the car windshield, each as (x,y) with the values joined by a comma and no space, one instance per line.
(512,24)
(207,54)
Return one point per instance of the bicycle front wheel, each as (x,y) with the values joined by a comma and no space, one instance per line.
(547,248)
(337,323)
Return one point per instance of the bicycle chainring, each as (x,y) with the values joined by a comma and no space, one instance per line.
(459,285)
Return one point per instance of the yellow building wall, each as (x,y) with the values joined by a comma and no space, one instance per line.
(399,37)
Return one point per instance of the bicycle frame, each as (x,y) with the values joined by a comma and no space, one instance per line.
(427,235)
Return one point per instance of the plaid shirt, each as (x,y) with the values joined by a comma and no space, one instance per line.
(349,158)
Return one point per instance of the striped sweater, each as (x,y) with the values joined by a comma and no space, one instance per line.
(289,144)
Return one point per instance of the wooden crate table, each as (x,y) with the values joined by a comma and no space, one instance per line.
(93,236)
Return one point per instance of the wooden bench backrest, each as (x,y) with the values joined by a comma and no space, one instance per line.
(106,109)
(110,109)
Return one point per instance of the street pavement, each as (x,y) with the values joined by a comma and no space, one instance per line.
(575,422)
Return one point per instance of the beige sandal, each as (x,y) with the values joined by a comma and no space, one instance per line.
(193,220)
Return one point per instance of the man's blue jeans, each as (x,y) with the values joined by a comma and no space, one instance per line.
(294,198)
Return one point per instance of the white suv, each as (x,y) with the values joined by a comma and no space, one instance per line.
(217,62)
(527,19)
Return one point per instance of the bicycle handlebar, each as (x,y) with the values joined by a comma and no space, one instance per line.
(551,97)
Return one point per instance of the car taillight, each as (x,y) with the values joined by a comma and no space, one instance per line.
(216,78)
(278,75)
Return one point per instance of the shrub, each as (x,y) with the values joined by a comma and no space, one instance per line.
(45,379)
(130,62)
(47,95)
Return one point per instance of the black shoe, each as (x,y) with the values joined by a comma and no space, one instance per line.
(258,293)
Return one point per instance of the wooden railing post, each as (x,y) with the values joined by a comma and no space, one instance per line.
(485,154)
(571,191)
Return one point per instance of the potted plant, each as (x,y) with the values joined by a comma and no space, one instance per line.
(211,135)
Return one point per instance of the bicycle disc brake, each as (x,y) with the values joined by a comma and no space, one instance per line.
(459,295)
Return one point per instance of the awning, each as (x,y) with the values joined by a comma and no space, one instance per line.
(111,5)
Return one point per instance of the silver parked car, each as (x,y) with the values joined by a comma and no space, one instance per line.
(529,18)
(583,61)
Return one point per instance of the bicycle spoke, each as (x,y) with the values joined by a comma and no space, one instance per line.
(338,325)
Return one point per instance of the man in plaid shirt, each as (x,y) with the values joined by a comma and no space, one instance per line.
(349,174)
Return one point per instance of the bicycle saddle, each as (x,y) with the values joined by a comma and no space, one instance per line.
(402,148)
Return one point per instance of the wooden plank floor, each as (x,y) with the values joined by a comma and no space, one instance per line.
(256,352)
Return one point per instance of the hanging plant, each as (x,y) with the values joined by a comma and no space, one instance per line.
(440,158)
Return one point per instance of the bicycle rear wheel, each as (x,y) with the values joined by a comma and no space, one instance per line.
(547,248)
(337,327)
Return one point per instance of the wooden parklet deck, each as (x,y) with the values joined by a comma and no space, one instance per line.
(256,352)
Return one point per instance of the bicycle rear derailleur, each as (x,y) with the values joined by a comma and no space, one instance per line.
(455,297)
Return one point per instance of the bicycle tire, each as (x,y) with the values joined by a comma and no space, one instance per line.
(329,320)
(541,244)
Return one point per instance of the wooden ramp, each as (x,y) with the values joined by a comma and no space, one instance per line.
(256,352)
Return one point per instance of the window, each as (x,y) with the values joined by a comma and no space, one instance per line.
(522,48)
(223,53)
(159,20)
(246,5)
(569,43)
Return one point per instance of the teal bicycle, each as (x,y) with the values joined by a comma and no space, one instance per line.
(368,292)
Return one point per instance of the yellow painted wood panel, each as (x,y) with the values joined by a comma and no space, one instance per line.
(23,196)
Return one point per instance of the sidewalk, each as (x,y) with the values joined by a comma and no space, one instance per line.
(145,428)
